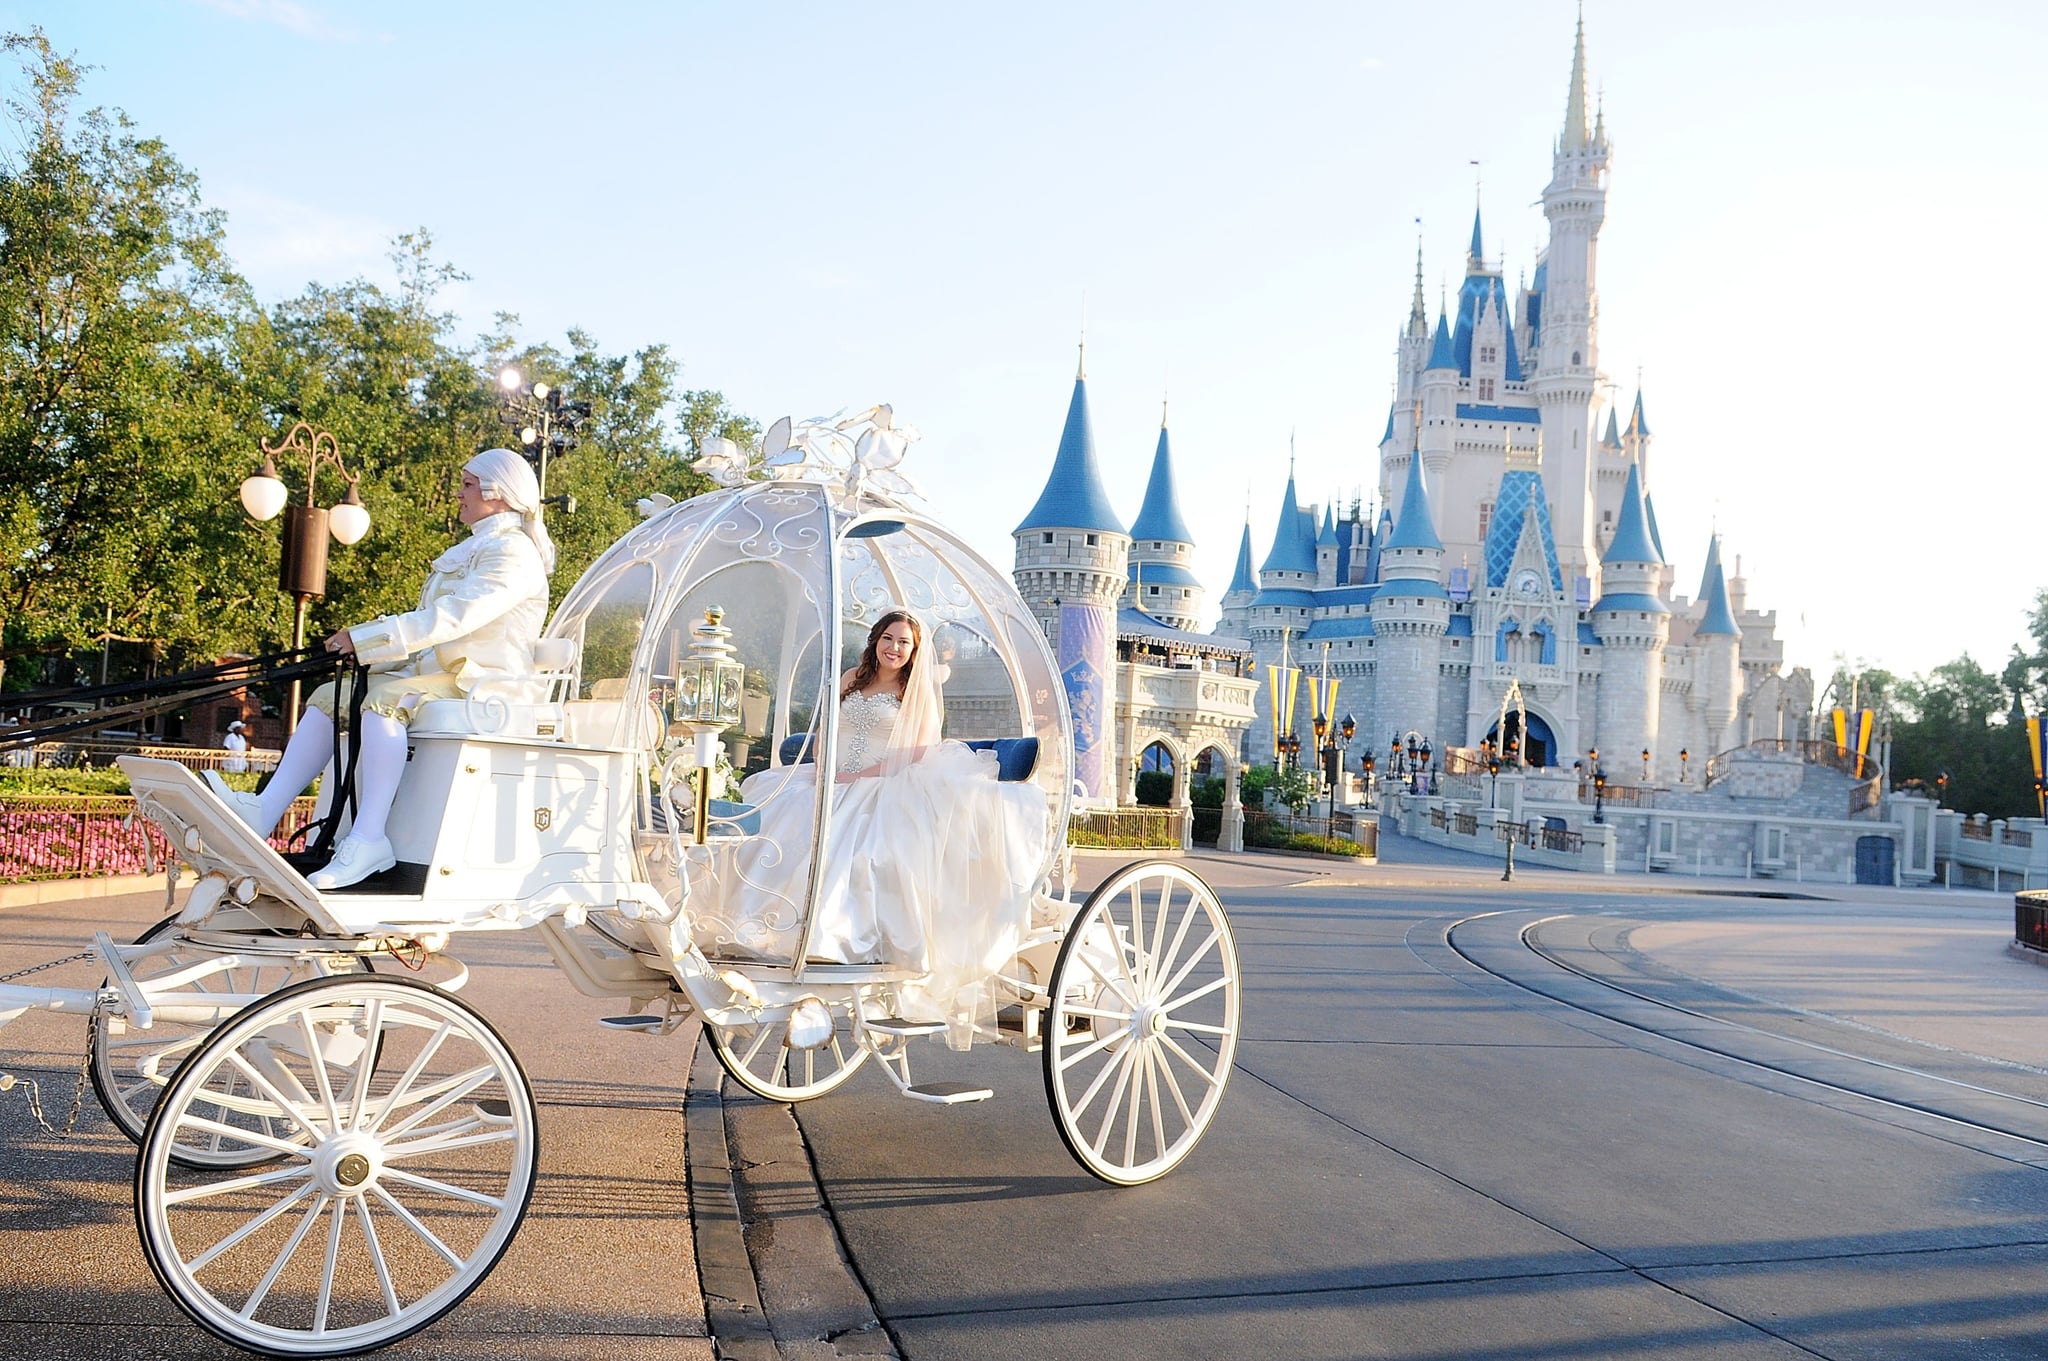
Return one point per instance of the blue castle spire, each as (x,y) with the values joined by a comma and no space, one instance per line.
(1416,528)
(1241,579)
(1632,541)
(1441,354)
(1636,424)
(1291,551)
(1719,620)
(1160,518)
(1073,497)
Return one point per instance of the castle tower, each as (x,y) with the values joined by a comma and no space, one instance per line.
(1163,583)
(1280,612)
(1719,641)
(1413,352)
(1568,359)
(1410,612)
(1326,550)
(1072,567)
(1635,441)
(1633,625)
(1439,409)
(1237,601)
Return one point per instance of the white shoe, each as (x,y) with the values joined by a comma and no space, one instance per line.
(355,860)
(247,807)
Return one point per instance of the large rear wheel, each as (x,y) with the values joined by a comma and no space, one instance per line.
(405,1166)
(1143,1022)
(804,1053)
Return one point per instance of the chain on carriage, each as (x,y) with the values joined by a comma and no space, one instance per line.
(686,806)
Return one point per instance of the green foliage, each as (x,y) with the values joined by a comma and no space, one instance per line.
(1957,721)
(138,376)
(1155,788)
(17,782)
(1207,791)
(1252,786)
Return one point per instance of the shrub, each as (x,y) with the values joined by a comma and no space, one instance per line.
(1155,788)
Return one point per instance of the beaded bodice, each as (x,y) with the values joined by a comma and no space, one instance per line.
(867,728)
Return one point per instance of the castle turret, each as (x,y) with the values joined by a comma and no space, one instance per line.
(1633,625)
(1163,583)
(1072,567)
(1327,550)
(1567,364)
(1635,441)
(1243,586)
(1439,408)
(1719,641)
(1410,612)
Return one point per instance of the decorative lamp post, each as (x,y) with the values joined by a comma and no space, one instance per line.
(302,565)
(547,423)
(1683,757)
(1322,729)
(1365,767)
(709,684)
(1429,785)
(1347,729)
(1646,765)
(1599,793)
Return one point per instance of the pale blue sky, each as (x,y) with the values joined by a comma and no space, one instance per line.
(1819,245)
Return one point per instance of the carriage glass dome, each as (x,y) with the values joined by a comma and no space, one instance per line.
(801,565)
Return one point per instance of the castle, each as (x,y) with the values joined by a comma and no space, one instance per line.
(1517,549)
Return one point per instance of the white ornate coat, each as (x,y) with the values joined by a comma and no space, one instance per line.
(484,605)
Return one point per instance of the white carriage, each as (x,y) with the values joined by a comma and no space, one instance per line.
(332,1155)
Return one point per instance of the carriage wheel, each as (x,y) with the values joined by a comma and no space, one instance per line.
(1143,1022)
(407,1169)
(760,1057)
(130,1070)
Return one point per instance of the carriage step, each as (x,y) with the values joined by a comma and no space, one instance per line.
(641,1023)
(948,1093)
(897,1025)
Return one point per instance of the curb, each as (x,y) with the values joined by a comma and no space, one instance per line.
(774,1273)
(37,891)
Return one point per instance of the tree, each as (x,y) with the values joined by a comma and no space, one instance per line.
(116,306)
(1954,722)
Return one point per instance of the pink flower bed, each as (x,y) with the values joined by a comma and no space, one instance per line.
(58,837)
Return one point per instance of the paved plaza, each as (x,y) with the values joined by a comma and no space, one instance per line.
(1564,1117)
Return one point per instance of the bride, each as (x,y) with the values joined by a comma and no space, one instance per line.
(930,862)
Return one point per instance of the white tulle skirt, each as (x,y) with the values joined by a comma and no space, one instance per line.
(931,868)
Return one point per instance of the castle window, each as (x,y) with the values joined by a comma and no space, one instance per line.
(1486,389)
(1151,590)
(1575,359)
(1094,539)
(1048,536)
(1485,517)
(1606,517)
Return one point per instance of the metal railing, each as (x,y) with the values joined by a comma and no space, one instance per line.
(1438,819)
(56,836)
(1975,831)
(1621,795)
(1133,829)
(1562,839)
(1467,824)
(1814,753)
(100,755)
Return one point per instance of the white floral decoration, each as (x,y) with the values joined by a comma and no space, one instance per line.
(859,456)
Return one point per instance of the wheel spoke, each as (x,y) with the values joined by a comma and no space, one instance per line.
(1172,1083)
(392,1308)
(1152,1063)
(328,1263)
(443,1188)
(1115,985)
(1100,1043)
(277,1098)
(414,1148)
(760,1039)
(359,1081)
(1180,937)
(410,1221)
(199,1263)
(284,1255)
(1138,1064)
(1136,894)
(1199,993)
(319,1065)
(400,1092)
(1094,1088)
(219,1131)
(459,1086)
(1159,917)
(1198,1028)
(187,1194)
(1122,1068)
(1201,952)
(1199,1071)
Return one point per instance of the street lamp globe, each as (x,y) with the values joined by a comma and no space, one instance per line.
(264,493)
(350,520)
(509,378)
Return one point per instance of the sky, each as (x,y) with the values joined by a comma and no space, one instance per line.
(1817,212)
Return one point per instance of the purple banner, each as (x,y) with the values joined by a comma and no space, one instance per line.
(1087,642)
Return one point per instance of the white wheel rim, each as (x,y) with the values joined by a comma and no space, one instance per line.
(1143,1024)
(757,1058)
(407,1169)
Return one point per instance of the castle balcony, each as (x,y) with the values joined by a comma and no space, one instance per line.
(1184,694)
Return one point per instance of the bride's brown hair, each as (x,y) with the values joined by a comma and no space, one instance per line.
(871,665)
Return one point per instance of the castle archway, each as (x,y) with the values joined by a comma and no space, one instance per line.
(1538,745)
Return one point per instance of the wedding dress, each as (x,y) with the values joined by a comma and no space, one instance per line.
(930,864)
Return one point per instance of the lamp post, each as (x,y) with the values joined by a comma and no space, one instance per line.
(1428,768)
(1683,756)
(302,564)
(1365,768)
(1347,729)
(1646,765)
(1321,725)
(1599,794)
(547,423)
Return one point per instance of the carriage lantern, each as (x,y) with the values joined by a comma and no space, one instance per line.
(709,684)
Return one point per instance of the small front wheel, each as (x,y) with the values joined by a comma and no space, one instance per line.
(405,1153)
(1143,1022)
(765,1059)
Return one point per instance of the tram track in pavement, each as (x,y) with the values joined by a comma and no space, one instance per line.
(1585,964)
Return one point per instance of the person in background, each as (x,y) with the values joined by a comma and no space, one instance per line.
(237,748)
